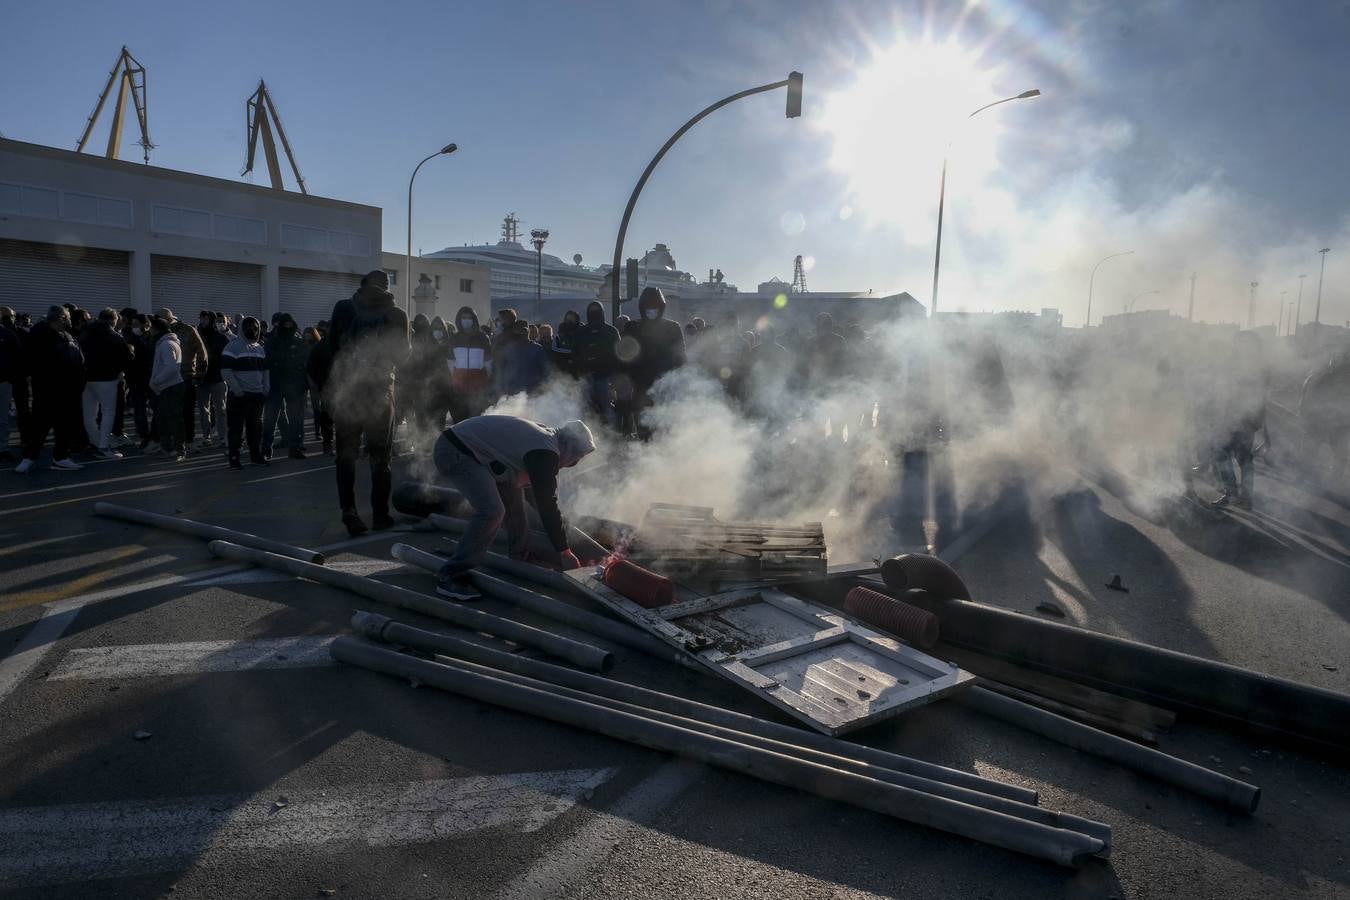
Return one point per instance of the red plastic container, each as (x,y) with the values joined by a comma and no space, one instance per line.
(646,589)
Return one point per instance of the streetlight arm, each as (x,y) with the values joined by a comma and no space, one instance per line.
(647,173)
(1093,278)
(1025,95)
(407,276)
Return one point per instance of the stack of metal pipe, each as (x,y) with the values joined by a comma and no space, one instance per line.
(898,786)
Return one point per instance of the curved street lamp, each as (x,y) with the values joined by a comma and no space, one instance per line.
(1093,278)
(942,193)
(407,275)
(794,109)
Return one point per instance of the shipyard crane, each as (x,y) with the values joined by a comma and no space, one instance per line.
(258,110)
(129,77)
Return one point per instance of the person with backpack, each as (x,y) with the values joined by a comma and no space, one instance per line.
(369,337)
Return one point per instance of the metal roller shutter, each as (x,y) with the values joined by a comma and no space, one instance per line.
(188,286)
(34,277)
(309,295)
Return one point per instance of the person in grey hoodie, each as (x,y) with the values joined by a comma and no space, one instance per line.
(243,365)
(166,381)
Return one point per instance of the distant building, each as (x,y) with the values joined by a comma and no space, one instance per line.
(97,232)
(512,266)
(449,285)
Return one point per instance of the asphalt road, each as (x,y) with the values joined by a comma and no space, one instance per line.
(240,768)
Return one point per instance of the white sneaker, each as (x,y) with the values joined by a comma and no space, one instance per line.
(67,465)
(109,453)
(24,467)
(182,457)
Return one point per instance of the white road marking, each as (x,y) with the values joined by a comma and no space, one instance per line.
(78,842)
(61,613)
(606,833)
(151,660)
(364,567)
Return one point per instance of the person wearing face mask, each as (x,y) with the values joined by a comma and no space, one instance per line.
(106,357)
(659,346)
(211,392)
(55,366)
(418,403)
(244,367)
(287,363)
(563,350)
(470,364)
(369,337)
(490,460)
(192,367)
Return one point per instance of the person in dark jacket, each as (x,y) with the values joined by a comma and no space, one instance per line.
(287,366)
(369,336)
(659,348)
(594,358)
(563,349)
(55,367)
(827,353)
(316,373)
(470,367)
(106,357)
(212,390)
(11,373)
(520,365)
(490,460)
(136,332)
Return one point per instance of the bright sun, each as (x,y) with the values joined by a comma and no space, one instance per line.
(891,127)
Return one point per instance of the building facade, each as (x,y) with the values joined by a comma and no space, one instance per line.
(440,287)
(96,232)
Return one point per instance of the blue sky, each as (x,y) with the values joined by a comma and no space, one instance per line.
(1207,136)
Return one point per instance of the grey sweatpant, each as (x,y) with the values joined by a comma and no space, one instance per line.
(491,501)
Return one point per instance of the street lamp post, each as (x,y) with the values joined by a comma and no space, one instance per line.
(794,109)
(1298,307)
(1317,313)
(537,237)
(942,195)
(1280,323)
(1251,307)
(1088,321)
(407,274)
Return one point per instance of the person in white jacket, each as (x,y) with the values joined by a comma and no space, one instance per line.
(243,365)
(166,382)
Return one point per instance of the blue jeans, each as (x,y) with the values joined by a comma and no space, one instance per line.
(293,398)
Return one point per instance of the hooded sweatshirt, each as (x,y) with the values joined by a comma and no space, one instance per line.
(470,355)
(369,336)
(593,352)
(167,371)
(519,452)
(660,341)
(243,365)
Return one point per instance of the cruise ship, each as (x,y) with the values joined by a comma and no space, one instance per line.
(512,266)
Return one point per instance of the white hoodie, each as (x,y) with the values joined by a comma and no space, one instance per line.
(167,371)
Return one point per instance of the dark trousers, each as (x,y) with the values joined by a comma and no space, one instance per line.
(243,415)
(58,409)
(323,422)
(189,410)
(376,422)
(169,418)
(292,399)
(138,398)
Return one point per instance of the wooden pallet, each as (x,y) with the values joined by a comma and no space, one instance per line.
(825,669)
(688,542)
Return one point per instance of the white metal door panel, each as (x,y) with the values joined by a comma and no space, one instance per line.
(188,286)
(309,295)
(37,276)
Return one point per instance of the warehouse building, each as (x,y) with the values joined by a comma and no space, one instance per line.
(97,232)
